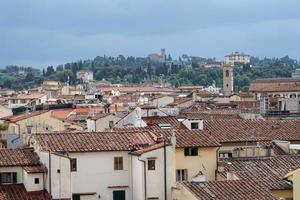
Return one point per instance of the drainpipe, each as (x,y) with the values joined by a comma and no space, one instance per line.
(50,191)
(145,177)
(217,159)
(165,168)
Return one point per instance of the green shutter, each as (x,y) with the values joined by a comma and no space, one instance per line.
(75,197)
(186,151)
(14,176)
(0,177)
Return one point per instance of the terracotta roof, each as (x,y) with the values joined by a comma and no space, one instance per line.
(61,113)
(239,130)
(229,190)
(35,169)
(18,157)
(179,101)
(132,89)
(155,122)
(18,191)
(275,85)
(89,142)
(84,116)
(268,171)
(184,137)
(28,96)
(212,115)
(16,118)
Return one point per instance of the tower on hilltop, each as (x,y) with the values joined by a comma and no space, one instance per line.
(227,80)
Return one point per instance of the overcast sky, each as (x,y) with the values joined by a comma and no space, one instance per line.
(49,32)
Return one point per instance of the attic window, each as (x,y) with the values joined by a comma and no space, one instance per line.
(165,126)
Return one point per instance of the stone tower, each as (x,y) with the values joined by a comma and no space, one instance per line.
(227,79)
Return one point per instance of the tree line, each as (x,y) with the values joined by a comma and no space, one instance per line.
(185,70)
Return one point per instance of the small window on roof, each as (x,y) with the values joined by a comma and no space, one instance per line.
(165,126)
(194,125)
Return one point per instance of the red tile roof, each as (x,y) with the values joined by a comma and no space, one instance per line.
(155,121)
(268,171)
(275,85)
(239,130)
(18,157)
(16,118)
(18,192)
(36,168)
(89,142)
(61,113)
(229,190)
(184,137)
(28,96)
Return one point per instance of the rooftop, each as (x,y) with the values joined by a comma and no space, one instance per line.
(28,96)
(268,171)
(229,190)
(240,130)
(156,122)
(17,191)
(275,85)
(16,118)
(18,157)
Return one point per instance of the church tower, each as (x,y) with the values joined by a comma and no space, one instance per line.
(227,79)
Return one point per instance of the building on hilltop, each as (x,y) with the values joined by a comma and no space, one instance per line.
(237,57)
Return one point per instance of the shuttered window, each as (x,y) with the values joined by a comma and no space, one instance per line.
(8,177)
(118,163)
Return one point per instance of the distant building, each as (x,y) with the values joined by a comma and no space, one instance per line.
(29,99)
(277,95)
(85,75)
(158,58)
(211,64)
(296,73)
(237,57)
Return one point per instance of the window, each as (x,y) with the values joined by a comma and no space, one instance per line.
(119,195)
(225,155)
(191,151)
(75,197)
(73,164)
(227,73)
(111,124)
(36,181)
(181,175)
(8,177)
(151,164)
(118,163)
(194,125)
(23,101)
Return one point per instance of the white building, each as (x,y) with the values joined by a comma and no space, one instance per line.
(85,75)
(237,57)
(21,175)
(108,165)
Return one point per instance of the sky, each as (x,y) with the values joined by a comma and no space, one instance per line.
(39,33)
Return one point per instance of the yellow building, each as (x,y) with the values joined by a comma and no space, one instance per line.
(36,122)
(196,154)
(294,176)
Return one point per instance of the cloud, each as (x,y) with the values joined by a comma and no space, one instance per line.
(36,32)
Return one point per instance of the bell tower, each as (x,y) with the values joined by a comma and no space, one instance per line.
(227,79)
